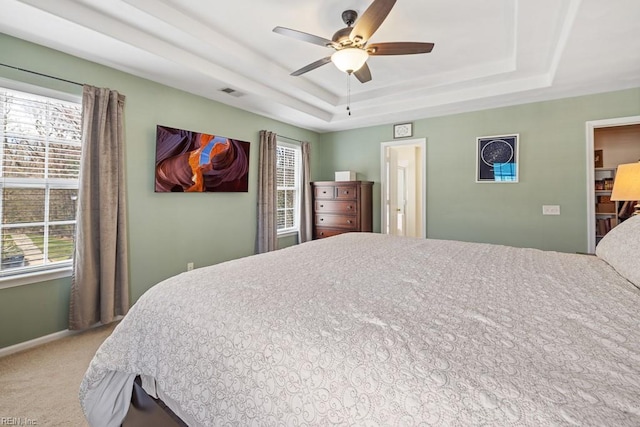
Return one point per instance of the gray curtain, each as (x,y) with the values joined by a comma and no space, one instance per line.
(306,232)
(267,193)
(100,283)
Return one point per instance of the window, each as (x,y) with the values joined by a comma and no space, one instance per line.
(288,182)
(40,145)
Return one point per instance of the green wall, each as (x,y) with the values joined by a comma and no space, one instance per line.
(165,230)
(552,170)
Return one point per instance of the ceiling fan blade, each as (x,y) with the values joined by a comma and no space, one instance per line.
(305,37)
(399,48)
(370,20)
(312,66)
(363,74)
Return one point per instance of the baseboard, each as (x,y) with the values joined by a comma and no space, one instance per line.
(26,345)
(35,342)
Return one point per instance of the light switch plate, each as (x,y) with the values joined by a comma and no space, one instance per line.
(550,209)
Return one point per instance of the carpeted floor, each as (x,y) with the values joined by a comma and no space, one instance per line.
(40,386)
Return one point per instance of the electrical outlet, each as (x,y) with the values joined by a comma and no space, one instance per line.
(189,266)
(550,209)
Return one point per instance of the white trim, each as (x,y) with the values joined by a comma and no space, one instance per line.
(49,270)
(35,277)
(422,143)
(53,183)
(35,342)
(297,149)
(288,144)
(29,88)
(6,351)
(288,232)
(591,126)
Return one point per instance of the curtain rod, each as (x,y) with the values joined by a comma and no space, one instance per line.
(291,139)
(41,74)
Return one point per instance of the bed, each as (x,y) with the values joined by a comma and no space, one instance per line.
(368,329)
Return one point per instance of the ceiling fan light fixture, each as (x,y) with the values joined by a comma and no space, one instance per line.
(350,59)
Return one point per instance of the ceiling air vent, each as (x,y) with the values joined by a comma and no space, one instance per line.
(232,92)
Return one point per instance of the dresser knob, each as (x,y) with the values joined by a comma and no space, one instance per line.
(349,207)
(321,219)
(348,221)
(322,233)
(322,206)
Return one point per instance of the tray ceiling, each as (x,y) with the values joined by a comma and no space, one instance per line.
(488,53)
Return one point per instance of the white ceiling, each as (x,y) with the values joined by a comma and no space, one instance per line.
(488,53)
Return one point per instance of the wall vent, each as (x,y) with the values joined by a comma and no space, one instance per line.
(232,92)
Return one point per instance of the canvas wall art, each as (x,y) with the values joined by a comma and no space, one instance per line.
(191,162)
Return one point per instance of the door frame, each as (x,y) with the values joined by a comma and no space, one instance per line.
(591,126)
(419,142)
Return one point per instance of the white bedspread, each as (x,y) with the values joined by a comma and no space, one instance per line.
(367,329)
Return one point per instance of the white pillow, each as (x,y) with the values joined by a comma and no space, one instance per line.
(620,248)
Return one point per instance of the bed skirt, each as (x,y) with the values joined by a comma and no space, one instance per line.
(147,411)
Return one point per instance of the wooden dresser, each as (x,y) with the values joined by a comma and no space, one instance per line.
(341,206)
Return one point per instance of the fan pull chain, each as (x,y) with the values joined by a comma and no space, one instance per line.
(349,93)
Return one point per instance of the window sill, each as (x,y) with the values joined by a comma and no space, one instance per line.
(35,277)
(288,233)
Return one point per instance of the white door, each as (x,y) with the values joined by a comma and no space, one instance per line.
(403,188)
(396,194)
(401,201)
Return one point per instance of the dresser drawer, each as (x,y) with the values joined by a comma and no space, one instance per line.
(348,222)
(341,207)
(346,192)
(322,232)
(334,206)
(324,192)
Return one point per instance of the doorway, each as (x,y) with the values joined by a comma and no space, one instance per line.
(591,174)
(404,182)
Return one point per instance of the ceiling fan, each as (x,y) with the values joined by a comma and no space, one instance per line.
(350,43)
